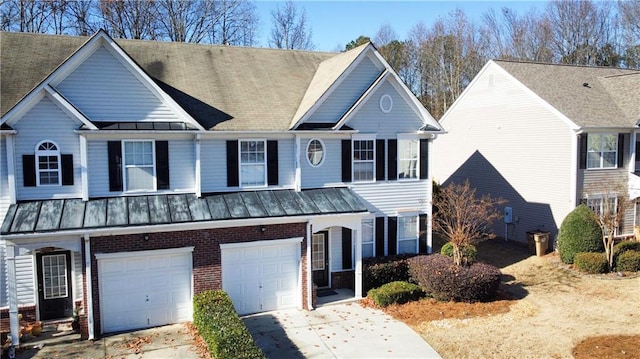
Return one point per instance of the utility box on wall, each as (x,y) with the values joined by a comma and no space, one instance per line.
(508,215)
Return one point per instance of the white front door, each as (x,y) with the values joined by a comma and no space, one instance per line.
(262,276)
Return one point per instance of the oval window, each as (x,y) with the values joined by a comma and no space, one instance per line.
(315,152)
(386,103)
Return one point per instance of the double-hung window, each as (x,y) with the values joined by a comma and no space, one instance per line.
(368,242)
(408,234)
(601,204)
(48,164)
(253,163)
(364,154)
(602,150)
(139,165)
(408,159)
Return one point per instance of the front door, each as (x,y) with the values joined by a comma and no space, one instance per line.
(54,285)
(320,259)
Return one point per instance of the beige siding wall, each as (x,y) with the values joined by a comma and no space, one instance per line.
(508,144)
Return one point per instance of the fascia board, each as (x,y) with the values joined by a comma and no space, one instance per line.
(67,107)
(333,86)
(362,99)
(413,100)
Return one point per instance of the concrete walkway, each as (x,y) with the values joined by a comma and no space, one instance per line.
(170,341)
(335,331)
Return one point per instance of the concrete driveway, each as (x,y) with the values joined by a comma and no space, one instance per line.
(170,341)
(335,331)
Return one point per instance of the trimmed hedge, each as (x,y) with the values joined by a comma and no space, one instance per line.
(221,328)
(591,262)
(579,232)
(622,247)
(628,261)
(377,271)
(469,251)
(444,280)
(395,292)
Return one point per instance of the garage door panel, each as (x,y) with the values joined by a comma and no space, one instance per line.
(262,277)
(144,291)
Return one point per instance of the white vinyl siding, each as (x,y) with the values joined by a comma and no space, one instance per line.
(329,172)
(25,283)
(76,258)
(335,249)
(181,166)
(213,165)
(370,118)
(31,133)
(509,144)
(104,90)
(346,94)
(3,274)
(4,183)
(388,197)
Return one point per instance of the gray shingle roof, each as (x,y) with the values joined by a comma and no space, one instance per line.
(222,87)
(72,214)
(610,98)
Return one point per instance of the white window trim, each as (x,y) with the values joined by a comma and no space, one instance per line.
(405,137)
(602,151)
(416,238)
(48,153)
(599,197)
(264,182)
(353,160)
(324,152)
(372,243)
(124,167)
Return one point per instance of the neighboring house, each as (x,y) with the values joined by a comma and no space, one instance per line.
(135,174)
(543,137)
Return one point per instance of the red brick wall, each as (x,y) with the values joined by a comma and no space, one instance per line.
(207,272)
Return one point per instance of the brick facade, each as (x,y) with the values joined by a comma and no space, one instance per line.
(207,273)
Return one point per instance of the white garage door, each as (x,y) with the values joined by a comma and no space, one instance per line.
(144,289)
(263,275)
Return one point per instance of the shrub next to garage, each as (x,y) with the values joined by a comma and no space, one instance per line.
(221,328)
(377,271)
(441,278)
(395,292)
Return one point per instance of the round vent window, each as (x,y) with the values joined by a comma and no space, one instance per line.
(386,103)
(315,152)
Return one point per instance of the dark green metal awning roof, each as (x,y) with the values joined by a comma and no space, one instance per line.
(72,214)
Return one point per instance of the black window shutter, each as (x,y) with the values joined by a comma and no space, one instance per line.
(422,234)
(637,151)
(346,249)
(162,164)
(620,150)
(233,179)
(392,159)
(393,235)
(346,160)
(424,158)
(379,236)
(29,170)
(272,163)
(67,169)
(380,160)
(114,150)
(583,151)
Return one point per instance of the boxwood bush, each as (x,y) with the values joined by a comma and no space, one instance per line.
(591,262)
(441,278)
(395,292)
(382,270)
(628,261)
(469,251)
(221,328)
(579,232)
(622,247)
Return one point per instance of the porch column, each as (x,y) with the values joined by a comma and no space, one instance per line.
(358,257)
(14,323)
(88,281)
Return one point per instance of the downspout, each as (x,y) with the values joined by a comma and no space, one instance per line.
(14,322)
(198,172)
(84,176)
(308,265)
(358,269)
(573,188)
(89,304)
(296,164)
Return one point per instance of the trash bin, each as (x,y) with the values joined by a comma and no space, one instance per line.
(542,243)
(531,242)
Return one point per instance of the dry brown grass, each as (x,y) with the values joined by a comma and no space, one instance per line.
(608,346)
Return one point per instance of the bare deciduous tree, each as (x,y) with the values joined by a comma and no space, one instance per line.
(608,208)
(236,23)
(464,218)
(130,19)
(289,28)
(186,20)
